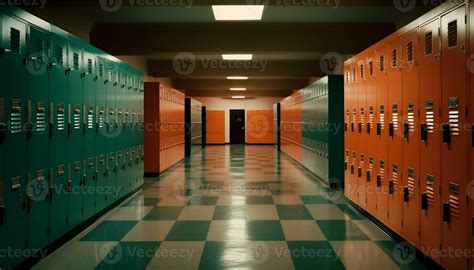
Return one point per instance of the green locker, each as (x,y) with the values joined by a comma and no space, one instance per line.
(120,132)
(101,139)
(58,98)
(88,127)
(37,131)
(111,129)
(75,132)
(127,134)
(13,103)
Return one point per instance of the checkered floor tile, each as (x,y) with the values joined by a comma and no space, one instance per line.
(238,207)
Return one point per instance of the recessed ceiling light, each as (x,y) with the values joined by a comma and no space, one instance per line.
(237,78)
(238,12)
(238,97)
(238,89)
(237,56)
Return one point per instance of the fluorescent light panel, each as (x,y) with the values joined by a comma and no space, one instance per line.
(238,89)
(237,78)
(237,56)
(238,12)
(238,97)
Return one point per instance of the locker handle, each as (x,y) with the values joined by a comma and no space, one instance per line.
(446,212)
(106,172)
(406,194)
(391,187)
(424,132)
(345,126)
(446,133)
(3,133)
(406,131)
(424,201)
(379,180)
(345,165)
(352,127)
(352,169)
(379,129)
(359,127)
(2,215)
(390,130)
(359,172)
(368,173)
(368,128)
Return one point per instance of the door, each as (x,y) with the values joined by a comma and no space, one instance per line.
(237,126)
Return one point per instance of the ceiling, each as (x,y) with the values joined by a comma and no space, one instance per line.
(179,41)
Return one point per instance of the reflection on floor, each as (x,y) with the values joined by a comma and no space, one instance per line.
(239,207)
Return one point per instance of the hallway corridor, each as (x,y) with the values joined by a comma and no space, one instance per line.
(233,207)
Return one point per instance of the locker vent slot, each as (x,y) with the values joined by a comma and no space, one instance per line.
(77,117)
(61,117)
(59,55)
(382,117)
(371,68)
(40,47)
(347,116)
(361,68)
(40,117)
(371,117)
(410,51)
(89,66)
(15,117)
(90,118)
(430,121)
(381,171)
(454,200)
(354,116)
(110,74)
(411,182)
(75,61)
(411,117)
(430,190)
(394,58)
(452,34)
(362,117)
(15,40)
(428,43)
(101,70)
(395,175)
(371,166)
(348,77)
(382,63)
(354,74)
(395,118)
(454,116)
(101,117)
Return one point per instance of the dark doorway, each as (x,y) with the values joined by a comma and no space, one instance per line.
(237,126)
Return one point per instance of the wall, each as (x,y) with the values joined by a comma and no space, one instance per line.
(217,103)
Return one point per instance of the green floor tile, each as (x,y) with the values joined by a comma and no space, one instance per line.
(229,212)
(350,212)
(314,255)
(143,202)
(265,230)
(293,212)
(283,192)
(110,231)
(164,213)
(314,199)
(203,200)
(341,230)
(129,255)
(401,255)
(189,231)
(259,200)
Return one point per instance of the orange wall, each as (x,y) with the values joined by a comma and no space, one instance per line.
(215,127)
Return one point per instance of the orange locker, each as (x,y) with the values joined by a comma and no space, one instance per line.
(382,134)
(291,133)
(152,135)
(411,141)
(471,108)
(361,130)
(370,133)
(430,136)
(260,127)
(455,154)
(215,128)
(395,136)
(354,139)
(348,185)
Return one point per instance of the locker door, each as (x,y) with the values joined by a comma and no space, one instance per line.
(101,132)
(455,137)
(75,131)
(120,129)
(361,127)
(347,123)
(89,129)
(411,142)
(430,137)
(371,135)
(58,101)
(395,137)
(381,131)
(354,101)
(13,144)
(471,115)
(111,130)
(37,129)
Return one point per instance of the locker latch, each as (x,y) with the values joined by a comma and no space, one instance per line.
(368,128)
(406,130)
(424,201)
(391,187)
(3,133)
(345,165)
(390,130)
(352,169)
(424,132)
(379,180)
(379,129)
(96,176)
(352,127)
(106,172)
(359,127)
(359,172)
(368,175)
(406,194)
(446,133)
(345,127)
(446,212)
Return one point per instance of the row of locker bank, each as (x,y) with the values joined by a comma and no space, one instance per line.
(71,139)
(408,133)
